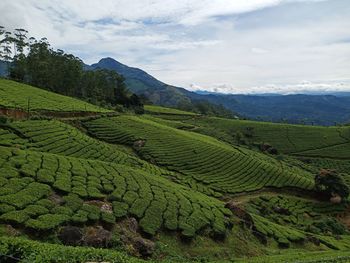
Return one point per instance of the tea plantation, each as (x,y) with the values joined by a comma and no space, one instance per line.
(29,178)
(201,159)
(166,186)
(285,138)
(57,137)
(15,95)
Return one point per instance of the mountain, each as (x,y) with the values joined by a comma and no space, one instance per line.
(140,82)
(300,108)
(136,78)
(323,109)
(308,109)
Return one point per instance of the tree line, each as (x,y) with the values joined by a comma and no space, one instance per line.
(36,63)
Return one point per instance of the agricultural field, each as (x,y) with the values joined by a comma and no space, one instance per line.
(192,187)
(40,100)
(94,191)
(25,250)
(153,109)
(297,213)
(54,136)
(201,159)
(311,257)
(286,138)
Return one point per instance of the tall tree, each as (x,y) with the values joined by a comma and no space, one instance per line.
(20,40)
(2,31)
(6,49)
(18,68)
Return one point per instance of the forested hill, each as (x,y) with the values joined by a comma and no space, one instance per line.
(302,109)
(136,78)
(298,109)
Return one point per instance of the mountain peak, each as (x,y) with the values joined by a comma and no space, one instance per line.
(108,61)
(136,78)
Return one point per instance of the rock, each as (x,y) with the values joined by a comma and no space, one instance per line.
(55,198)
(260,236)
(145,247)
(107,208)
(97,237)
(11,231)
(265,146)
(335,199)
(139,143)
(240,212)
(314,240)
(132,224)
(104,206)
(281,210)
(272,151)
(70,235)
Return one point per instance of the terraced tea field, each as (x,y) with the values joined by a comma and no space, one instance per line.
(20,96)
(286,138)
(201,159)
(180,185)
(342,166)
(311,257)
(29,178)
(153,109)
(339,151)
(57,137)
(307,216)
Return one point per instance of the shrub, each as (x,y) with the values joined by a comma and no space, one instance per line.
(331,183)
(15,216)
(47,222)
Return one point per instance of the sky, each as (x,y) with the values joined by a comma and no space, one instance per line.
(227,46)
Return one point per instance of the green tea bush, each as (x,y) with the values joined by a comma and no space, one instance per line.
(33,251)
(155,201)
(206,164)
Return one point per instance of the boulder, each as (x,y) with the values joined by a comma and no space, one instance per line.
(97,237)
(281,210)
(145,247)
(240,212)
(104,206)
(336,199)
(55,198)
(139,143)
(70,235)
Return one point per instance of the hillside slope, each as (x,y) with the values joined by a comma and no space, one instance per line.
(169,186)
(203,161)
(308,109)
(21,96)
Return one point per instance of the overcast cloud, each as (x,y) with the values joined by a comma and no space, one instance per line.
(230,46)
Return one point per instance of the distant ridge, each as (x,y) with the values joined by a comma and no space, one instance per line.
(136,78)
(300,108)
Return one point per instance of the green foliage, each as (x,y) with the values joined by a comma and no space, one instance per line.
(34,251)
(330,182)
(153,109)
(47,222)
(298,140)
(39,99)
(208,165)
(298,213)
(60,138)
(302,256)
(134,192)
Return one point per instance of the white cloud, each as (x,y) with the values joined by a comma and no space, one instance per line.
(306,87)
(244,44)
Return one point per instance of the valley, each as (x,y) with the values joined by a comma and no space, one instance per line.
(165,186)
